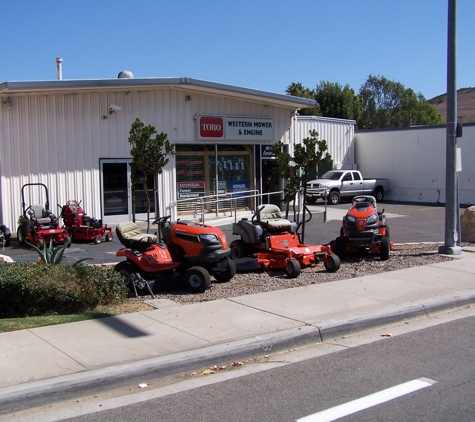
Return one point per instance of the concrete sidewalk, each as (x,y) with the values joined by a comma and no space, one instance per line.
(175,339)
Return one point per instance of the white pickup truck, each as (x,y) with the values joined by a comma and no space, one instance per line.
(335,184)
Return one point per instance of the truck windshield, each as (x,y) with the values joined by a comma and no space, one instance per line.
(332,175)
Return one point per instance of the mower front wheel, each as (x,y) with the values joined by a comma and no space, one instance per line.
(332,263)
(40,244)
(384,248)
(20,237)
(126,269)
(97,239)
(293,268)
(108,236)
(197,280)
(340,248)
(227,274)
(239,249)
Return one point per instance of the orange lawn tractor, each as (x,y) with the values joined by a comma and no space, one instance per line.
(270,242)
(364,230)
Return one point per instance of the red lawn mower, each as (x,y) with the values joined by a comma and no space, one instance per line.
(189,253)
(364,230)
(270,242)
(82,227)
(38,225)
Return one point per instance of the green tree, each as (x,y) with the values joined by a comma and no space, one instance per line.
(337,101)
(296,89)
(388,103)
(150,153)
(308,154)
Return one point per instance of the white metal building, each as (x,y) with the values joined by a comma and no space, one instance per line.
(72,135)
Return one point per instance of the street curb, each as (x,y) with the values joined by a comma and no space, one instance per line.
(92,381)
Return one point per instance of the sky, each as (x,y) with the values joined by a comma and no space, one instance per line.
(263,45)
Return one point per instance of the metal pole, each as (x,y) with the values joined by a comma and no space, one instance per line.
(451,189)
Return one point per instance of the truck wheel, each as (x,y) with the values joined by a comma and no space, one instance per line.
(239,249)
(379,194)
(293,268)
(384,249)
(332,263)
(197,280)
(334,197)
(227,274)
(311,200)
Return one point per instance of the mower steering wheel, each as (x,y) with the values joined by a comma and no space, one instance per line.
(162,220)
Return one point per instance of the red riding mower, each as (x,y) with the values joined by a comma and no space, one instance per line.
(364,230)
(189,252)
(270,242)
(38,225)
(82,227)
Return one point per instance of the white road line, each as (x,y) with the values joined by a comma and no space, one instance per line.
(357,405)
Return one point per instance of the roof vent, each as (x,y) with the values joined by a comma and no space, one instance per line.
(125,74)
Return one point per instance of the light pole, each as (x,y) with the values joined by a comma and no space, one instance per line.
(451,187)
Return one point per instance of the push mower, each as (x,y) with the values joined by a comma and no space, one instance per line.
(364,230)
(38,225)
(270,242)
(82,227)
(188,252)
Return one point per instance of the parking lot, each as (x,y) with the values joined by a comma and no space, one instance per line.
(408,223)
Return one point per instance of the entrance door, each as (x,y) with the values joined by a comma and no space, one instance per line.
(115,184)
(117,193)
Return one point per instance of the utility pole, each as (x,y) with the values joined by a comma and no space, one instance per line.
(451,187)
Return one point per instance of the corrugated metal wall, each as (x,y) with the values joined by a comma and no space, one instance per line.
(338,133)
(59,139)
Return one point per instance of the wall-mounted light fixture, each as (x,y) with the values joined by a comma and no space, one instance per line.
(113,108)
(187,98)
(8,103)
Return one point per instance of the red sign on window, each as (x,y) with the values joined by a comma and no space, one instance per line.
(211,127)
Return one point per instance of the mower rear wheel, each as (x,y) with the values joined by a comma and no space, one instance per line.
(293,268)
(126,269)
(332,263)
(97,239)
(384,248)
(239,249)
(197,280)
(227,274)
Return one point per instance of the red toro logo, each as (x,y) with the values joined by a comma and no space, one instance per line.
(211,127)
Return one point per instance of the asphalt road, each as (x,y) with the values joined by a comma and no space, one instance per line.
(442,353)
(408,223)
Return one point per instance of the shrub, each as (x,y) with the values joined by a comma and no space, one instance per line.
(28,289)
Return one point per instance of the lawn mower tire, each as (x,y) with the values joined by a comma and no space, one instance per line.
(293,268)
(331,262)
(384,248)
(227,274)
(197,279)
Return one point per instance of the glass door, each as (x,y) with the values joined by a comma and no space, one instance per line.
(115,184)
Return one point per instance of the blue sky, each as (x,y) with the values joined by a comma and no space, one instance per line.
(264,45)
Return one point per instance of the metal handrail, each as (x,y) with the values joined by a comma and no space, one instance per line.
(232,197)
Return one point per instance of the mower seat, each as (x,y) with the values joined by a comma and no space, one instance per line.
(130,236)
(270,219)
(39,215)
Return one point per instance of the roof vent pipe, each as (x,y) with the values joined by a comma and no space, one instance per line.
(59,60)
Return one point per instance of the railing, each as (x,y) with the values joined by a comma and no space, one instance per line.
(201,203)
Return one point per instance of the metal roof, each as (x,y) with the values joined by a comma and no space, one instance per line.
(188,84)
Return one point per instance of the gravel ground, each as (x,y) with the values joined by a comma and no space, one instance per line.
(404,256)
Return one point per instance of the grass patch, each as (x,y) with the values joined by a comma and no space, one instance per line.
(15,324)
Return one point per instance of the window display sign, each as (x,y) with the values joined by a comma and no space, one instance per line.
(189,190)
(239,186)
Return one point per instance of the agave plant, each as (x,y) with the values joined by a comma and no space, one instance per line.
(54,255)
